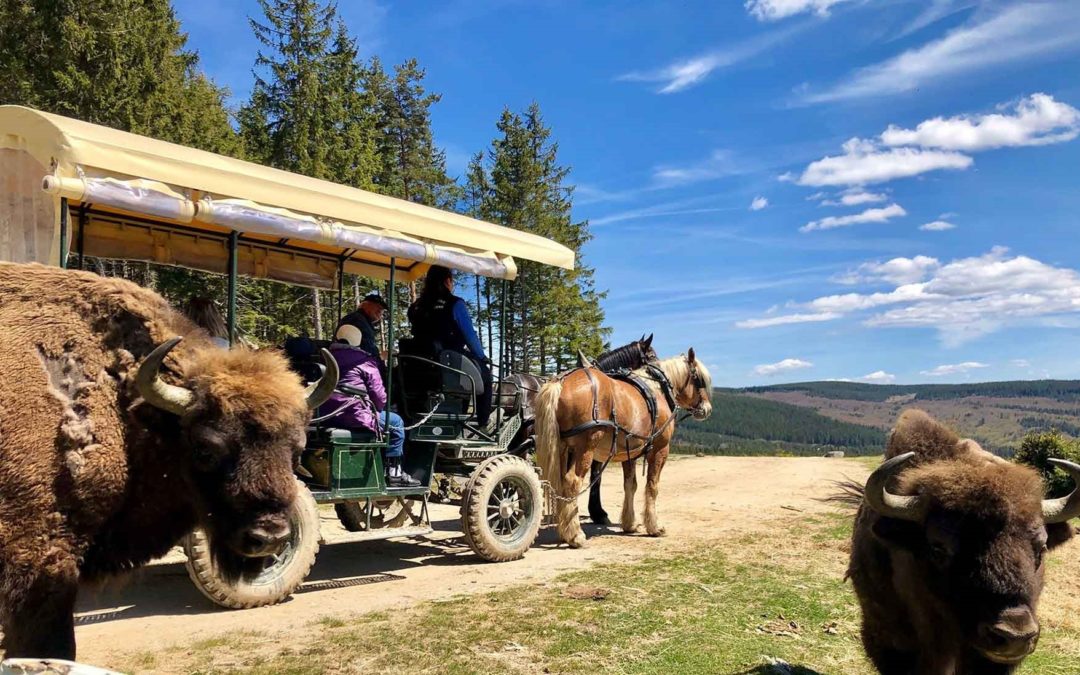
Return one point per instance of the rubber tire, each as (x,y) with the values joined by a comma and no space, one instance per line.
(244,594)
(474,524)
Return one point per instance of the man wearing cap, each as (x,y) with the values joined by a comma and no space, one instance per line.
(368,314)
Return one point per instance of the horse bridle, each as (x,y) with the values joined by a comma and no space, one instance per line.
(699,386)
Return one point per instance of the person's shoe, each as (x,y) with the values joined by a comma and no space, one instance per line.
(395,477)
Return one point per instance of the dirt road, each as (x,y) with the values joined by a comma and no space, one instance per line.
(700,499)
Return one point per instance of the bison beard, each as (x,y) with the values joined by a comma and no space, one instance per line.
(112,448)
(947,563)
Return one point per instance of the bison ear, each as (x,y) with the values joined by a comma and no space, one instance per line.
(1057,534)
(896,533)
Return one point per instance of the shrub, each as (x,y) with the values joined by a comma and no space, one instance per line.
(1036,450)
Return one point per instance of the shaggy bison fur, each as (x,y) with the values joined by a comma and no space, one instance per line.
(96,480)
(947,554)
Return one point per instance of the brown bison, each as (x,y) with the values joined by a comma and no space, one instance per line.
(117,439)
(947,554)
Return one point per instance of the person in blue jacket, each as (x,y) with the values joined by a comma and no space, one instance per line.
(439,316)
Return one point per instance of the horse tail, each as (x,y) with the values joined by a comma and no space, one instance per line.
(549,455)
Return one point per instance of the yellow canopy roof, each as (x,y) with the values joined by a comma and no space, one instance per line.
(71,146)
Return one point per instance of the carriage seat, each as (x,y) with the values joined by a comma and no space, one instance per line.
(305,358)
(460,383)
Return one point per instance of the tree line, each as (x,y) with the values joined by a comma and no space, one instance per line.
(318,109)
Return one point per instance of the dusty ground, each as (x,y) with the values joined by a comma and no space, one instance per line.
(701,499)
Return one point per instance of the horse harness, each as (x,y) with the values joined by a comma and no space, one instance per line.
(650,402)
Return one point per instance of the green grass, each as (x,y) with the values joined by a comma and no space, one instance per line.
(727,607)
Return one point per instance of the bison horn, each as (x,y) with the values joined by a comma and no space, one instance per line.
(886,503)
(154,390)
(1064,509)
(320,391)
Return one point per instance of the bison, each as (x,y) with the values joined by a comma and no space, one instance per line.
(947,553)
(117,439)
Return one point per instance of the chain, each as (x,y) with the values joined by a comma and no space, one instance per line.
(425,418)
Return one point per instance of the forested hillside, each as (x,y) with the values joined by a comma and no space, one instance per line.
(1061,390)
(743,424)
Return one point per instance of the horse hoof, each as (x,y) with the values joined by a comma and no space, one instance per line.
(633,529)
(658,532)
(577,542)
(600,519)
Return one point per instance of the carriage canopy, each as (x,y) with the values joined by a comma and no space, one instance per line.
(71,186)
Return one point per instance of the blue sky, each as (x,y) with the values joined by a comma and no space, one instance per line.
(884,190)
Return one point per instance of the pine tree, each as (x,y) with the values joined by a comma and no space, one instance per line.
(552,313)
(120,63)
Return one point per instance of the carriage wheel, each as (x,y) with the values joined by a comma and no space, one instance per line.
(502,508)
(391,512)
(283,572)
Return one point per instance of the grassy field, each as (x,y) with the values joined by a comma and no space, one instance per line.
(748,604)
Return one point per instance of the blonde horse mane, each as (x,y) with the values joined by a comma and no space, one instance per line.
(677,370)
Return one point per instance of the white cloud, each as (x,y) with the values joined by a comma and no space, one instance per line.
(855,197)
(899,271)
(718,164)
(774,10)
(684,74)
(937,226)
(954,369)
(878,377)
(878,215)
(1021,363)
(863,162)
(758,203)
(1019,32)
(786,319)
(1038,120)
(962,300)
(787,365)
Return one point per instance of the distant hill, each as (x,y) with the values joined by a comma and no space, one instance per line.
(807,418)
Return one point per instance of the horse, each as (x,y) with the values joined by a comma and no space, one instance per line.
(586,415)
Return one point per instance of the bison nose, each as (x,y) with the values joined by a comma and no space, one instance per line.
(265,539)
(1012,637)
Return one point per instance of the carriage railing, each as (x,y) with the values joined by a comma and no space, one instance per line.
(442,388)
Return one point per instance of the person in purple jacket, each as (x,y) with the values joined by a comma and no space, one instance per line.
(364,401)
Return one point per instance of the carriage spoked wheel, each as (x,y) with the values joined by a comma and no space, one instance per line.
(385,513)
(501,508)
(281,575)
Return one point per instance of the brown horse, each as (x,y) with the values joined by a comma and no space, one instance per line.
(627,430)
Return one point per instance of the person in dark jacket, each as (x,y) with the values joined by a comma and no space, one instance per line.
(365,402)
(368,315)
(439,316)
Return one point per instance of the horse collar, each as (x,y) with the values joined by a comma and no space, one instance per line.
(665,386)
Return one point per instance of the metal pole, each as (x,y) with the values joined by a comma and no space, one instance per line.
(481,336)
(340,292)
(63,232)
(502,350)
(390,345)
(234,238)
(82,230)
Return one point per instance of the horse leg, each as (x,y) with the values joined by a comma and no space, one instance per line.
(41,623)
(569,526)
(596,510)
(652,488)
(629,482)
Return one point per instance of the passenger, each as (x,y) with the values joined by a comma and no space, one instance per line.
(439,316)
(364,401)
(204,314)
(367,316)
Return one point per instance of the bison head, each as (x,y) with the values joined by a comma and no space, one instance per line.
(242,417)
(968,532)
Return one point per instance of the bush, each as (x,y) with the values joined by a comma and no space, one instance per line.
(1036,450)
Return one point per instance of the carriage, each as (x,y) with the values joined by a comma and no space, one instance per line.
(74,191)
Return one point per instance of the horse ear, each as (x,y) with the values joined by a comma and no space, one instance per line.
(690,358)
(648,340)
